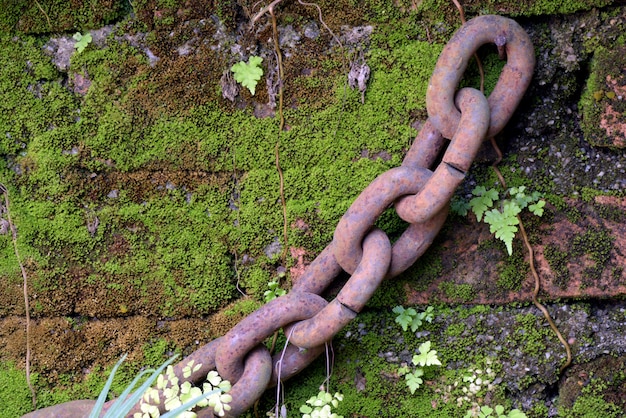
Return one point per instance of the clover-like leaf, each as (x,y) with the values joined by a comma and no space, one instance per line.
(406,317)
(516,413)
(485,411)
(81,41)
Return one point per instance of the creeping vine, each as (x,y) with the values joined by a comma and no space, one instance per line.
(529,247)
(13,230)
(531,261)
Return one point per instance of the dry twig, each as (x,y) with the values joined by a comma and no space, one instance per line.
(7,209)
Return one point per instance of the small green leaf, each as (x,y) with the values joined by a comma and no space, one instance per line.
(413,380)
(405,317)
(483,201)
(486,411)
(429,314)
(537,208)
(426,357)
(82,41)
(459,206)
(403,370)
(248,74)
(398,310)
(502,224)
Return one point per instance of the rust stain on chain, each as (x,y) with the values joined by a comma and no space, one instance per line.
(421,197)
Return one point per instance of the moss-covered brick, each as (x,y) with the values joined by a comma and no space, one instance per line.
(46,16)
(602,103)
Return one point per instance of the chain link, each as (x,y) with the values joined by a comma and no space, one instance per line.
(421,197)
(512,41)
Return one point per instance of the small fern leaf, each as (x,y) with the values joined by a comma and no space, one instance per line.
(483,201)
(503,224)
(537,208)
(248,74)
(414,380)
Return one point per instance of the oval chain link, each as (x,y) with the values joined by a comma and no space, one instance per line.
(420,196)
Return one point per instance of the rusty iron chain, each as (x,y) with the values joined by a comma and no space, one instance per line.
(421,197)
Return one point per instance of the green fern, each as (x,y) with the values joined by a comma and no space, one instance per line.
(82,41)
(414,380)
(537,208)
(503,224)
(459,206)
(498,412)
(426,357)
(411,317)
(483,200)
(248,74)
(503,218)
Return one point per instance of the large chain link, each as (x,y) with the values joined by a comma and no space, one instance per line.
(420,197)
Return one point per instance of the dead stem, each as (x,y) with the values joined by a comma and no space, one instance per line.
(280,129)
(319,11)
(5,191)
(237,274)
(44,13)
(267,9)
(539,305)
(478,62)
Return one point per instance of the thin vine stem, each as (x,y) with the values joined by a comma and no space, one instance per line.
(5,192)
(531,262)
(531,253)
(478,61)
(44,13)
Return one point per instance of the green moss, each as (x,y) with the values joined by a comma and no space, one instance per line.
(155,352)
(390,293)
(32,102)
(591,403)
(597,244)
(599,104)
(458,292)
(47,16)
(254,280)
(183,185)
(158,176)
(492,67)
(558,260)
(425,270)
(512,272)
(455,330)
(242,307)
(530,336)
(15,396)
(534,8)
